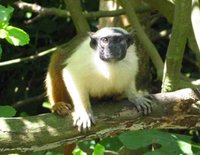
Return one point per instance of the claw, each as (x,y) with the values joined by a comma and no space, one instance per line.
(142,104)
(83,120)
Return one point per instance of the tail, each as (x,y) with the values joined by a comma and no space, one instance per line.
(69,149)
(56,90)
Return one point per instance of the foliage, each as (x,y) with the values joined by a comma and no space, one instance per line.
(152,141)
(13,35)
(7,111)
(159,141)
(78,152)
(24,80)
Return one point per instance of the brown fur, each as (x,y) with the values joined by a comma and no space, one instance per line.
(56,90)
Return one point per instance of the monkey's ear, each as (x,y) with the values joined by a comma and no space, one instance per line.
(130,37)
(93,41)
(91,34)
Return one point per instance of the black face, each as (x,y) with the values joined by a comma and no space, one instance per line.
(111,48)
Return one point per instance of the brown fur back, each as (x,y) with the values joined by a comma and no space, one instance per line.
(56,90)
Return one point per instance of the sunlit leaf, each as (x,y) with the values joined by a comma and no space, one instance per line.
(185,147)
(3,33)
(99,150)
(46,105)
(138,139)
(17,36)
(78,151)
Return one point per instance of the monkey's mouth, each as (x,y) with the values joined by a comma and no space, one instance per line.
(111,58)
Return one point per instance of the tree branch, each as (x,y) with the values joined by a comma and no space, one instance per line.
(176,48)
(148,45)
(18,60)
(178,109)
(166,8)
(79,20)
(63,13)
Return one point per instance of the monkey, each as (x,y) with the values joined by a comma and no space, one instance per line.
(105,63)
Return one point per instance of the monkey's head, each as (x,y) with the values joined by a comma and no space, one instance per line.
(111,43)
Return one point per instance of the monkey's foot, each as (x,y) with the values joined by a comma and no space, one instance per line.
(83,120)
(62,108)
(142,104)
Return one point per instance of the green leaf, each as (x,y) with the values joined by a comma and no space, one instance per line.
(17,36)
(53,153)
(46,105)
(5,13)
(3,33)
(111,143)
(78,151)
(7,111)
(144,138)
(23,114)
(99,150)
(3,25)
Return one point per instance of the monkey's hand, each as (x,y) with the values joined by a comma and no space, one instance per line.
(83,119)
(62,108)
(142,104)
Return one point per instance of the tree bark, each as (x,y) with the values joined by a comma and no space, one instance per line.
(178,110)
(176,48)
(148,45)
(77,16)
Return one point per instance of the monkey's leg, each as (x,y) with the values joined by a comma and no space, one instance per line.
(57,94)
(62,108)
(141,102)
(82,114)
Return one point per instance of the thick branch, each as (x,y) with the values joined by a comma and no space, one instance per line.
(166,8)
(148,45)
(80,22)
(48,131)
(175,51)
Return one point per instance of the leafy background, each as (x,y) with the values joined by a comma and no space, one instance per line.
(22,81)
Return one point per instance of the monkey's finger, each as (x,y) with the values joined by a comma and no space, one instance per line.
(147,107)
(143,104)
(138,107)
(92,119)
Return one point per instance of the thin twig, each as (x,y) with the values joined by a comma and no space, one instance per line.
(30,100)
(42,11)
(18,60)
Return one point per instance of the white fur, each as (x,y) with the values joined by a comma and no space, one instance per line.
(108,31)
(87,75)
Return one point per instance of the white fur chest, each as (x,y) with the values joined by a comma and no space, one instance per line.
(99,78)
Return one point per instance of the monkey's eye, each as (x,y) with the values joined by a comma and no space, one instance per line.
(105,40)
(120,39)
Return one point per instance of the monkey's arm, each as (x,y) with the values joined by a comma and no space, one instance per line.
(141,102)
(82,114)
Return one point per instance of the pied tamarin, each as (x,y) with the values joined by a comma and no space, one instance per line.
(104,64)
